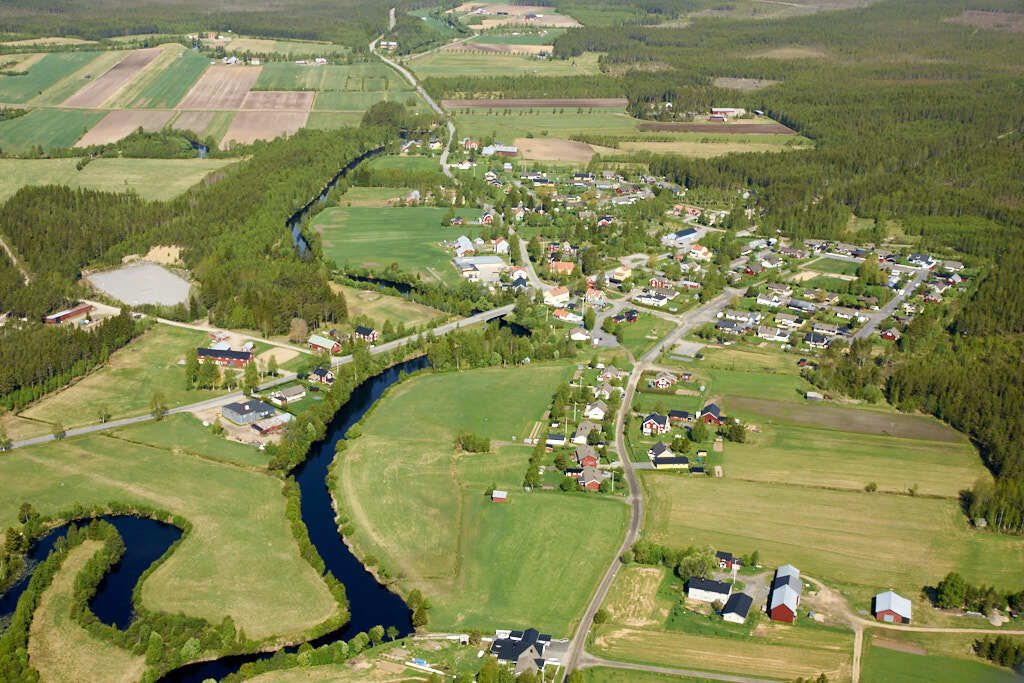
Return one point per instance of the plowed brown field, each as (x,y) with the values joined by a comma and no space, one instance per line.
(119,124)
(106,86)
(249,126)
(221,88)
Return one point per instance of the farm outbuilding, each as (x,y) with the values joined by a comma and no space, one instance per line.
(892,608)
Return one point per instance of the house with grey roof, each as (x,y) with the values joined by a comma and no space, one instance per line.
(244,413)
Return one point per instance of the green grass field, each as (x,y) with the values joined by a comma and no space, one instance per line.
(871,540)
(125,384)
(505,37)
(640,336)
(75,81)
(520,123)
(444,64)
(184,434)
(604,674)
(382,307)
(172,82)
(47,128)
(255,573)
(471,557)
(882,664)
(357,77)
(833,265)
(378,197)
(329,120)
(361,101)
(410,163)
(159,179)
(219,125)
(408,236)
(41,75)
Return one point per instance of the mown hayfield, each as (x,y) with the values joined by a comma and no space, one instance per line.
(707,150)
(640,336)
(240,530)
(408,236)
(288,76)
(381,307)
(605,674)
(377,197)
(405,163)
(444,64)
(537,37)
(289,47)
(184,434)
(41,75)
(813,456)
(78,79)
(563,123)
(124,386)
(469,556)
(159,179)
(832,265)
(892,666)
(361,101)
(166,87)
(873,540)
(46,128)
(329,120)
(774,386)
(60,649)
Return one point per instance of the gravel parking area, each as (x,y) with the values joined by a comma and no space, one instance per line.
(142,283)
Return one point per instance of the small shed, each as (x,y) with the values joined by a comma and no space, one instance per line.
(499,496)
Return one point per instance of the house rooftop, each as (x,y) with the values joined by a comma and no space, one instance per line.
(738,604)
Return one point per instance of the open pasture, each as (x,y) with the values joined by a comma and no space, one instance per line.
(832,265)
(361,101)
(150,178)
(121,123)
(108,85)
(410,237)
(238,512)
(872,540)
(893,666)
(377,197)
(49,40)
(221,87)
(380,307)
(166,87)
(444,63)
(46,128)
(510,37)
(329,120)
(124,385)
(185,434)
(707,150)
(41,75)
(538,103)
(451,547)
(497,49)
(288,76)
(543,123)
(743,84)
(249,126)
(268,100)
(286,47)
(60,649)
(516,15)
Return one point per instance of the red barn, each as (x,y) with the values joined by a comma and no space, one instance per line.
(892,608)
(62,316)
(711,415)
(225,357)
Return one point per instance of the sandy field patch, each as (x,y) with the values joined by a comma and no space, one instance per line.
(142,283)
(554,149)
(279,100)
(899,646)
(109,84)
(249,126)
(195,121)
(536,103)
(258,45)
(24,62)
(167,254)
(499,48)
(804,276)
(119,124)
(791,52)
(221,87)
(725,128)
(282,355)
(1012,22)
(742,83)
(516,14)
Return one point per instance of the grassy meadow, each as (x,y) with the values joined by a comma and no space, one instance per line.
(238,512)
(125,384)
(408,236)
(471,557)
(46,128)
(443,64)
(41,75)
(833,265)
(893,666)
(166,87)
(504,37)
(381,307)
(71,83)
(640,336)
(185,435)
(60,649)
(520,123)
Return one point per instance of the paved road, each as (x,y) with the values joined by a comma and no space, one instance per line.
(885,311)
(286,377)
(687,322)
(531,272)
(429,100)
(589,660)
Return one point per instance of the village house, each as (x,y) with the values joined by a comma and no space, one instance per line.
(523,649)
(747,317)
(322,375)
(580,334)
(727,560)
(736,608)
(562,267)
(621,273)
(707,590)
(699,252)
(655,424)
(324,344)
(779,289)
(225,357)
(731,327)
(596,410)
(891,608)
(463,246)
(594,297)
(670,462)
(772,262)
(498,496)
(291,394)
(802,306)
(649,298)
(366,334)
(771,300)
(611,373)
(604,390)
(591,478)
(680,416)
(788,322)
(711,414)
(825,328)
(566,316)
(659,450)
(816,340)
(659,283)
(771,333)
(248,412)
(680,238)
(663,380)
(891,334)
(786,590)
(556,296)
(586,456)
(500,245)
(583,430)
(555,440)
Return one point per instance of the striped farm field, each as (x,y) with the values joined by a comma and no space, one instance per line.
(82,77)
(41,75)
(170,84)
(122,123)
(107,86)
(361,101)
(47,128)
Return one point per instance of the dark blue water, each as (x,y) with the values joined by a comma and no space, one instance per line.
(402,287)
(370,603)
(145,542)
